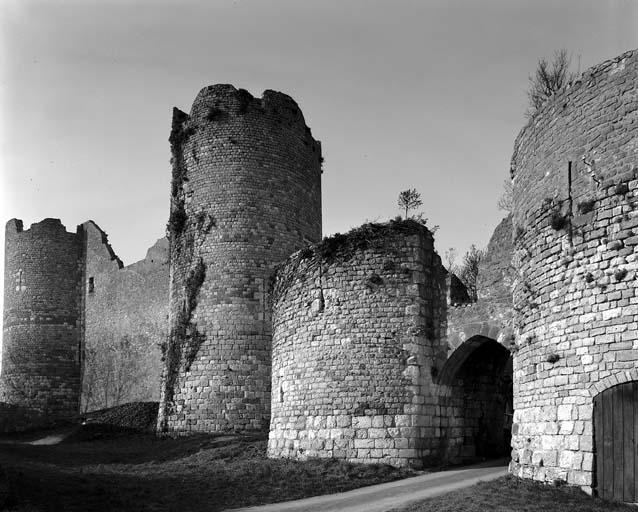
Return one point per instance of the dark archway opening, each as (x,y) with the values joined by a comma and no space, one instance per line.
(478,409)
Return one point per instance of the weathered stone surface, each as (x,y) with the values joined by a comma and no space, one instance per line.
(246,194)
(66,295)
(360,362)
(492,314)
(126,321)
(575,291)
(42,331)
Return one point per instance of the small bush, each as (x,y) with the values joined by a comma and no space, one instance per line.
(620,274)
(586,206)
(553,358)
(205,222)
(375,280)
(306,253)
(622,189)
(177,219)
(558,221)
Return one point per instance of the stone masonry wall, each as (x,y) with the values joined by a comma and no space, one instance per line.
(576,245)
(358,326)
(476,380)
(42,331)
(126,321)
(246,193)
(492,314)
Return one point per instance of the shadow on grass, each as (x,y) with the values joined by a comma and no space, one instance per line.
(197,473)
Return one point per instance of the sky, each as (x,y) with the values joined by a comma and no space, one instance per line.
(402,94)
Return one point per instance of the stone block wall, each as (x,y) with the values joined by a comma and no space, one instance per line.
(246,193)
(42,332)
(575,293)
(126,322)
(476,380)
(358,326)
(491,315)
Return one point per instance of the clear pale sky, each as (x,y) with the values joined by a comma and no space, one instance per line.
(402,94)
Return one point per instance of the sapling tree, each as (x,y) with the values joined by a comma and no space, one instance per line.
(469,270)
(409,200)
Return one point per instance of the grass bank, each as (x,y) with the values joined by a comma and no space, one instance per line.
(112,471)
(510,494)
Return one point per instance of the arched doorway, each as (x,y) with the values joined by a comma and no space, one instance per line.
(616,442)
(477,403)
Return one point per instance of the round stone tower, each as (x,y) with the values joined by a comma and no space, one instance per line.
(246,193)
(575,226)
(358,325)
(42,318)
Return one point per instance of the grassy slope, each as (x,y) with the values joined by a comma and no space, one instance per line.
(141,472)
(509,494)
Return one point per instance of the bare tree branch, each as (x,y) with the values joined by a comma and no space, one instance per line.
(548,79)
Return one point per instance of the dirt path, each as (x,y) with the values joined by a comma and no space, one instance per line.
(384,497)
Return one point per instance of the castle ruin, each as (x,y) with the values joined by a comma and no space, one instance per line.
(575,221)
(246,193)
(362,346)
(68,302)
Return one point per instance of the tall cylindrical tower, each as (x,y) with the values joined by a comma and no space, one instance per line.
(575,219)
(246,193)
(42,331)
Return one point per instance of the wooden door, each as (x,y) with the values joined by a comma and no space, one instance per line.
(616,441)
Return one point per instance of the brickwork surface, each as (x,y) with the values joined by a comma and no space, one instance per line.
(126,321)
(42,318)
(355,337)
(246,193)
(575,256)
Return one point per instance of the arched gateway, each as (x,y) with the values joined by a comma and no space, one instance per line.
(476,385)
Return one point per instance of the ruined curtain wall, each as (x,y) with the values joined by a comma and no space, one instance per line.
(356,337)
(126,321)
(575,255)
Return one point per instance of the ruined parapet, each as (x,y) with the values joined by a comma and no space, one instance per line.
(126,320)
(42,332)
(496,273)
(358,336)
(492,314)
(246,193)
(575,176)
